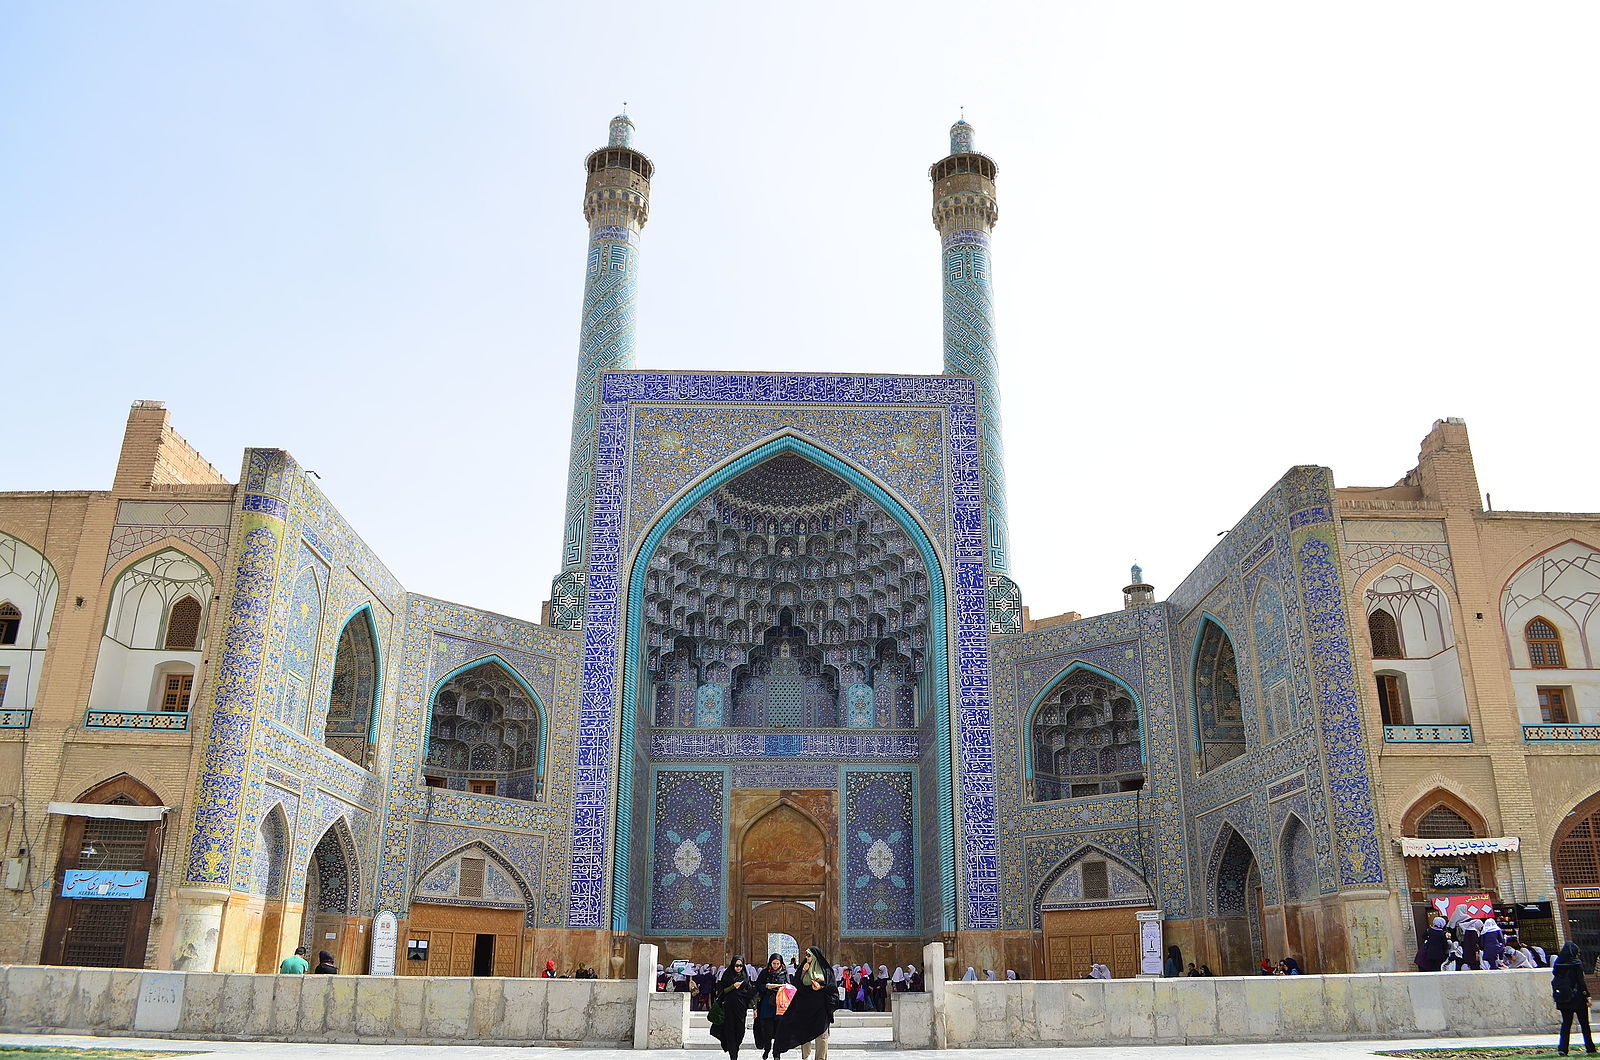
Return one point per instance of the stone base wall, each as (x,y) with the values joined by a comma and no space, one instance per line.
(333,1008)
(1228,1010)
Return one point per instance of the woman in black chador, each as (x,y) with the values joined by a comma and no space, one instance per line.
(811,1012)
(1571,996)
(733,993)
(772,976)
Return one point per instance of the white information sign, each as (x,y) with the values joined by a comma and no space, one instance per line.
(385,936)
(1150,955)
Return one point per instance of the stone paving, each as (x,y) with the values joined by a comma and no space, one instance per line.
(866,1043)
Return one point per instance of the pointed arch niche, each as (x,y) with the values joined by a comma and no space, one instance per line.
(355,691)
(1551,613)
(786,877)
(332,899)
(1084,737)
(1218,707)
(153,644)
(788,590)
(486,733)
(1237,903)
(28,591)
(1084,913)
(785,598)
(1415,665)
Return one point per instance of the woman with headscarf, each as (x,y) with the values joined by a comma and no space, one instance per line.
(1011,975)
(913,979)
(1430,957)
(1471,946)
(325,965)
(880,989)
(897,981)
(732,994)
(1492,940)
(1173,966)
(971,976)
(1291,966)
(1571,995)
(772,976)
(811,1012)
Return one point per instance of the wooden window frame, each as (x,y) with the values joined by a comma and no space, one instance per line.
(184,691)
(172,617)
(10,623)
(1399,649)
(1394,698)
(1564,695)
(481,787)
(1538,645)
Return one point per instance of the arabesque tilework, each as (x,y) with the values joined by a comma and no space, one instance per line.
(789,404)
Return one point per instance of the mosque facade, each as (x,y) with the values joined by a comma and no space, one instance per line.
(785,690)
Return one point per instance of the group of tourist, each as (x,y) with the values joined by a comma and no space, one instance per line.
(1471,945)
(793,1008)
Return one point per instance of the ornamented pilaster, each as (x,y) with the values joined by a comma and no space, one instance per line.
(965,211)
(220,794)
(616,203)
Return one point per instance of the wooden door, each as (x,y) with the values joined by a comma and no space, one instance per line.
(452,932)
(784,917)
(1076,939)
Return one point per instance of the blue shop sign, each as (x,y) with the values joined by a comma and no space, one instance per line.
(82,883)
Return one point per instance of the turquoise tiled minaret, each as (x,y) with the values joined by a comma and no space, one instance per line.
(964,210)
(616,203)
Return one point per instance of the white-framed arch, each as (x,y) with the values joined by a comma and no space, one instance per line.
(1561,587)
(154,640)
(1415,605)
(30,585)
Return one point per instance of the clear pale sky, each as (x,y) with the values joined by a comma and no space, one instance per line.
(1233,237)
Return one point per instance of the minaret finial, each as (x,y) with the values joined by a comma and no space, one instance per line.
(621,129)
(961,136)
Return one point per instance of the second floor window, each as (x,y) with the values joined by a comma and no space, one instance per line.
(10,623)
(175,691)
(1544,646)
(1553,706)
(1385,636)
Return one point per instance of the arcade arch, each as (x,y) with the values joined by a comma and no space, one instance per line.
(1239,904)
(1084,737)
(154,637)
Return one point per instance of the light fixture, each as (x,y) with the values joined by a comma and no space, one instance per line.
(89,852)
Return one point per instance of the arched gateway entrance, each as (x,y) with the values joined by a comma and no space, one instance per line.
(784,872)
(786,621)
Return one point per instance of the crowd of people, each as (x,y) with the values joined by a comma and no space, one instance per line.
(859,987)
(1471,945)
(794,1004)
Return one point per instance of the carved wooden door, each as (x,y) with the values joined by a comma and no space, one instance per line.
(779,918)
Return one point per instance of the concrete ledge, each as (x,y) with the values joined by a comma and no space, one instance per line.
(333,1008)
(1228,1010)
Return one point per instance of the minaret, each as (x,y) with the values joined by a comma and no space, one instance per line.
(1139,592)
(964,211)
(616,203)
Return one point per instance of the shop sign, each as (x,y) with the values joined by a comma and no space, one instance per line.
(1443,877)
(83,883)
(1581,894)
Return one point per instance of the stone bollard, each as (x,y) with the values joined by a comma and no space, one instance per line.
(933,976)
(646,991)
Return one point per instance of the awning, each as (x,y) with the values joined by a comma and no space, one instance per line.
(1447,848)
(113,811)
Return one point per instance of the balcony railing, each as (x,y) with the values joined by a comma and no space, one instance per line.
(15,719)
(1561,733)
(161,720)
(1427,734)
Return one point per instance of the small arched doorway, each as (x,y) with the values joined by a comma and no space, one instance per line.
(332,889)
(1575,859)
(1239,904)
(784,881)
(105,881)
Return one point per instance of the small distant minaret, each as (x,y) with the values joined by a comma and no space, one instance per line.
(1139,593)
(616,203)
(965,211)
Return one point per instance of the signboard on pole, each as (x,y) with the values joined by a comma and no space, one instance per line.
(385,935)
